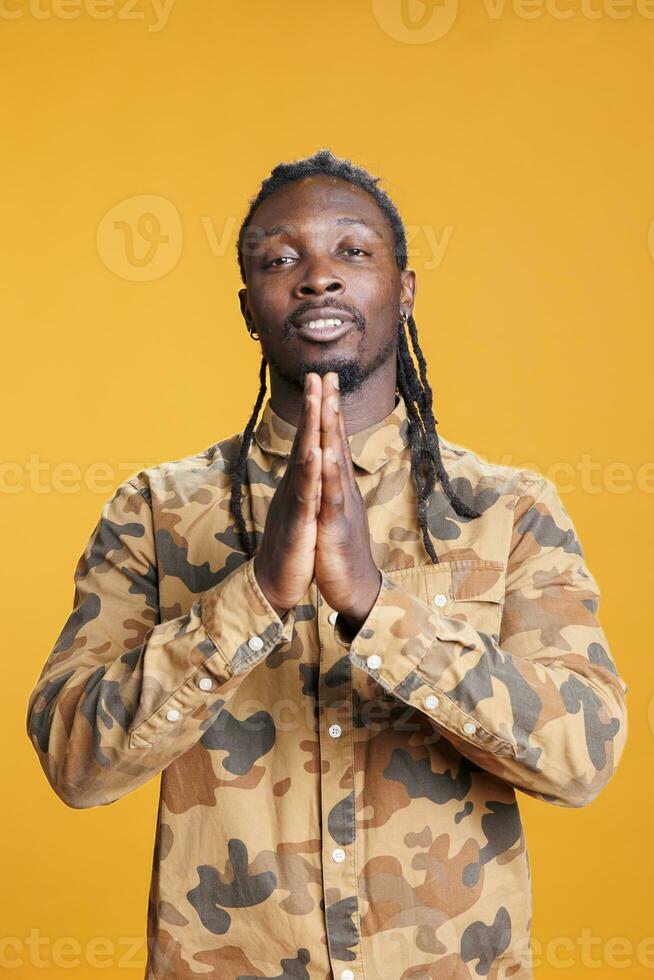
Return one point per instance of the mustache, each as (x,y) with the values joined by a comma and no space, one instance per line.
(290,323)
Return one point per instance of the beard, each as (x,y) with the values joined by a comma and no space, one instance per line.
(351,373)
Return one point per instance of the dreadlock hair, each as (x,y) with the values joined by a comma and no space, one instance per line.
(426,462)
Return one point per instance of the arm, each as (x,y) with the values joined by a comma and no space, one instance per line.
(122,695)
(543,709)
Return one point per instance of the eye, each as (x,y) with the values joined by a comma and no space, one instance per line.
(277,262)
(354,248)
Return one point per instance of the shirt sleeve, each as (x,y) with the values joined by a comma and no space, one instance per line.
(122,694)
(541,706)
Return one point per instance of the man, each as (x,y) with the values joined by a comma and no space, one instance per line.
(343,642)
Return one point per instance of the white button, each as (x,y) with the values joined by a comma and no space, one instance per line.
(338,854)
(255,643)
(205,683)
(347,975)
(373,660)
(335,730)
(440,599)
(431,701)
(469,728)
(332,618)
(172,714)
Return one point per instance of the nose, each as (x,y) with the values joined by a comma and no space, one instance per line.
(317,279)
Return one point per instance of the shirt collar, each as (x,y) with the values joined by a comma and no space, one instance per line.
(370,448)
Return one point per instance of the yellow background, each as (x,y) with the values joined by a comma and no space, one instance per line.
(520,139)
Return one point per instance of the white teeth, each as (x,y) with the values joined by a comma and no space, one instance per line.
(319,324)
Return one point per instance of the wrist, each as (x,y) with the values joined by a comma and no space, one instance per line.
(261,581)
(353,617)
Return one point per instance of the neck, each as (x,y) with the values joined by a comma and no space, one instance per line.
(371,402)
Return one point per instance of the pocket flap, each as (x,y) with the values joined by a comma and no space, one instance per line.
(458,579)
(477,578)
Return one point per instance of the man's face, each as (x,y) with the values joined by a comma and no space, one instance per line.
(321,249)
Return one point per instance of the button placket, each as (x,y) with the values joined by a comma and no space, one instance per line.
(336,780)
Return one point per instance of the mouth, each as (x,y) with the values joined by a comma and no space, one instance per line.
(323,326)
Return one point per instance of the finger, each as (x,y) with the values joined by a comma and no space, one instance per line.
(307,462)
(307,489)
(309,425)
(304,492)
(289,471)
(307,432)
(346,456)
(338,436)
(330,433)
(332,503)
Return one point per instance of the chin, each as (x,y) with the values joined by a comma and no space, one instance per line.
(350,374)
(349,370)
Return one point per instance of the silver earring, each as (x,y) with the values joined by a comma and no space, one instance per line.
(253,334)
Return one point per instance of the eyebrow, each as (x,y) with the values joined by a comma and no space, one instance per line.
(278,229)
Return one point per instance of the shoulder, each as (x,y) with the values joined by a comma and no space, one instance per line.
(466,464)
(212,469)
(190,477)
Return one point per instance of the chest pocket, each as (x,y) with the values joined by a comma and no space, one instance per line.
(471,589)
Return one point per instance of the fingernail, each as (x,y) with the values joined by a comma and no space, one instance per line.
(337,382)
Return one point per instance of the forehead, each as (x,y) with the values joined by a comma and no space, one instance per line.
(319,201)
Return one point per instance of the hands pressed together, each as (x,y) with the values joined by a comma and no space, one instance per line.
(317,522)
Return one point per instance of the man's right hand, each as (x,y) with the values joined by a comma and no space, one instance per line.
(284,565)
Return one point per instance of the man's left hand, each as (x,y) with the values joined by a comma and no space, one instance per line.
(346,574)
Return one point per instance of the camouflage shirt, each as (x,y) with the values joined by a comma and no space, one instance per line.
(334,809)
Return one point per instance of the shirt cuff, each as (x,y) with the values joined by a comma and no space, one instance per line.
(397,633)
(240,621)
(400,634)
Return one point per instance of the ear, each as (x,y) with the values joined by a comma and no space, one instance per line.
(408,291)
(245,309)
